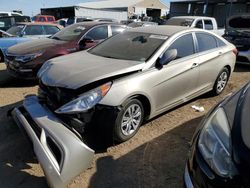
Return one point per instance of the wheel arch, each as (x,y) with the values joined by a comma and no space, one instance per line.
(145,102)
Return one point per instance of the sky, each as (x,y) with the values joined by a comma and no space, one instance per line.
(32,7)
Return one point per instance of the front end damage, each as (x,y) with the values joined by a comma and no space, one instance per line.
(61,152)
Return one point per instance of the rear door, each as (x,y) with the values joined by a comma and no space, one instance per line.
(211,53)
(177,81)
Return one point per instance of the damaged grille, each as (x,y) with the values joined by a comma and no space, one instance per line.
(55,97)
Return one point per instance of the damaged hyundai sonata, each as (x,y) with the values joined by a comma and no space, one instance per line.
(115,86)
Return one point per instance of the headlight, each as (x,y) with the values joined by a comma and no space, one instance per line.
(215,144)
(28,57)
(85,101)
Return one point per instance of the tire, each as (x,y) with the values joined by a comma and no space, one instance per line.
(221,82)
(124,131)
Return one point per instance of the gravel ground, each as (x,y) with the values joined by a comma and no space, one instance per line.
(155,157)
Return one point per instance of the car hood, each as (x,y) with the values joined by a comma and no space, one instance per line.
(9,41)
(79,69)
(33,46)
(237,109)
(238,25)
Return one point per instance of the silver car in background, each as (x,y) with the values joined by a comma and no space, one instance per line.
(115,86)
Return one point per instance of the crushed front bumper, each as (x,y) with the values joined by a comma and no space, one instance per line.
(60,152)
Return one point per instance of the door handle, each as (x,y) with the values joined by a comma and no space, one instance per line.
(220,53)
(194,65)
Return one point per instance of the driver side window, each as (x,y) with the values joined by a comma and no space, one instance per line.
(98,33)
(184,46)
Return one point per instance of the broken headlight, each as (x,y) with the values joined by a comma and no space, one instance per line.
(85,101)
(215,144)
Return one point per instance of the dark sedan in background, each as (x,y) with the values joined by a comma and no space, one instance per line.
(238,33)
(220,154)
(24,60)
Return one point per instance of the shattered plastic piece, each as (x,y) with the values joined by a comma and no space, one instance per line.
(198,109)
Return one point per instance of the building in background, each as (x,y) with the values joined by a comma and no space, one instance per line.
(220,9)
(115,9)
(150,8)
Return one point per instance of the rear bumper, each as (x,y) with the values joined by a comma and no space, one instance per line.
(60,152)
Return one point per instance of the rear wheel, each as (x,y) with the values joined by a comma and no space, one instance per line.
(128,120)
(221,81)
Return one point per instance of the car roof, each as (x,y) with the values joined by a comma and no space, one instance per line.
(167,30)
(36,23)
(94,23)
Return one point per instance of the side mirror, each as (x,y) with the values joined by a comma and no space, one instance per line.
(85,41)
(167,57)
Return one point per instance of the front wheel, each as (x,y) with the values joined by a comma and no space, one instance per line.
(128,120)
(221,82)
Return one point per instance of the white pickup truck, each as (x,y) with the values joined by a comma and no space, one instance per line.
(207,23)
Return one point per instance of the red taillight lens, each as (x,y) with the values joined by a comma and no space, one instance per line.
(235,51)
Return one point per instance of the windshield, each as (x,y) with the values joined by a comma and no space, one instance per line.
(180,21)
(70,33)
(240,22)
(130,46)
(15,30)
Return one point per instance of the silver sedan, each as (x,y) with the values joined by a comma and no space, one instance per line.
(115,86)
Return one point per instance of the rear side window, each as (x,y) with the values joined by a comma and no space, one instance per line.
(98,33)
(50,30)
(208,24)
(116,29)
(34,30)
(184,46)
(206,42)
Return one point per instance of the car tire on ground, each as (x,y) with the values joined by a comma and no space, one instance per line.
(221,82)
(128,120)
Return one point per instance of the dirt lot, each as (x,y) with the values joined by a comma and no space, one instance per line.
(155,157)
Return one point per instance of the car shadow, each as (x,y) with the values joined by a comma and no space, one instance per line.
(16,155)
(157,163)
(242,68)
(7,81)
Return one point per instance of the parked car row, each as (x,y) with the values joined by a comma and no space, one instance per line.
(115,86)
(24,60)
(23,32)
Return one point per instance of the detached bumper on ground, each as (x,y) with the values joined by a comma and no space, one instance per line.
(60,152)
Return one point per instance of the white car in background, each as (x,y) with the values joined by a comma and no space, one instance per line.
(207,23)
(9,14)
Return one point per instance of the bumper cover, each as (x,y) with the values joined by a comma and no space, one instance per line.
(75,156)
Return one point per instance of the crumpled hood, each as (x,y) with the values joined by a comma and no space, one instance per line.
(34,46)
(238,25)
(81,68)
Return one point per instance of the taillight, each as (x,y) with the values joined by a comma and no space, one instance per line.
(235,51)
